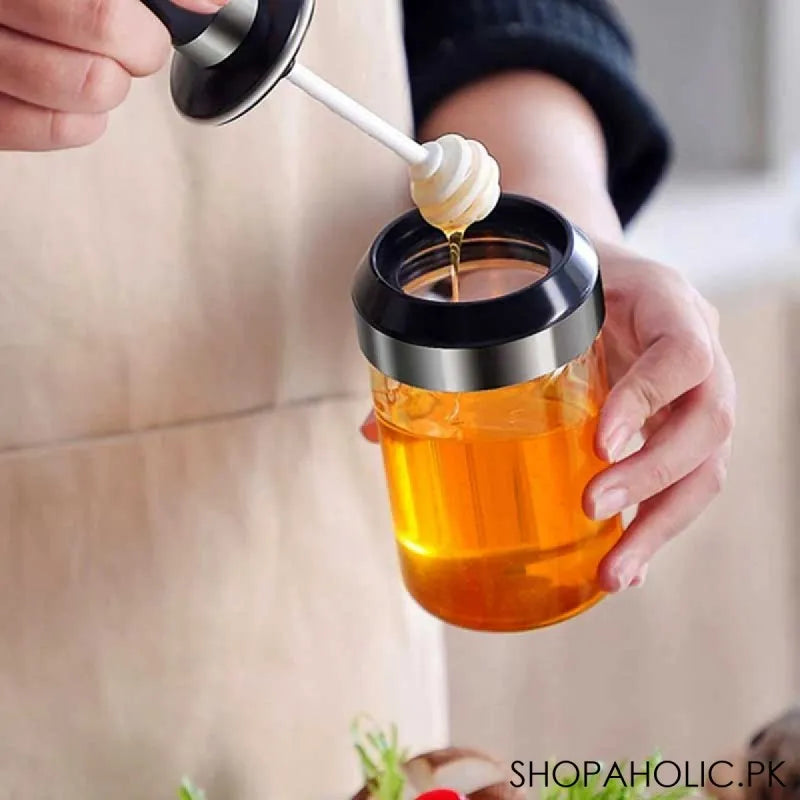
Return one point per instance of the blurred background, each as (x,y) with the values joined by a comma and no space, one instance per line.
(709,649)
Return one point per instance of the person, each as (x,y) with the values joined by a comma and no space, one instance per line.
(198,575)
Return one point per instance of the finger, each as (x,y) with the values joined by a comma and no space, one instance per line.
(679,357)
(124,30)
(369,428)
(27,127)
(697,427)
(57,77)
(660,519)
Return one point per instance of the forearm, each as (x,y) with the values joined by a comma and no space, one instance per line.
(546,138)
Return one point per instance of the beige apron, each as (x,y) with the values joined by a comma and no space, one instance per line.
(197,574)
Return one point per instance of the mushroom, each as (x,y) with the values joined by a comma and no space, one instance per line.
(471,773)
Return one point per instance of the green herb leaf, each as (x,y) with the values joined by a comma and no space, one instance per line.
(381,759)
(189,791)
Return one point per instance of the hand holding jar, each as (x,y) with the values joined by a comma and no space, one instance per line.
(672,383)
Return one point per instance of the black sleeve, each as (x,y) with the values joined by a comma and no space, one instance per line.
(451,43)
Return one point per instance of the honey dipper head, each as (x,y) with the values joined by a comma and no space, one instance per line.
(458,184)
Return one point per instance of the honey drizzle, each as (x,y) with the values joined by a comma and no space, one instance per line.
(455,240)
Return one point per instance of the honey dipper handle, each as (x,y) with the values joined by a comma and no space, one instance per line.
(337,101)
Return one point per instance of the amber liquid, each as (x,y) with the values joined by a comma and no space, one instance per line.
(486,489)
(455,239)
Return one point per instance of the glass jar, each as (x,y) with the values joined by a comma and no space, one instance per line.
(487,410)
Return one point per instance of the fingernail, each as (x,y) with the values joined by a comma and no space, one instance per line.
(638,581)
(610,502)
(624,573)
(616,441)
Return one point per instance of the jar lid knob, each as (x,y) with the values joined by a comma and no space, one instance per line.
(226,63)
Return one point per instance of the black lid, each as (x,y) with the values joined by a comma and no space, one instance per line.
(223,92)
(489,342)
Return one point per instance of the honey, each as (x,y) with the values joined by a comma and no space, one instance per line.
(485,490)
(454,240)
